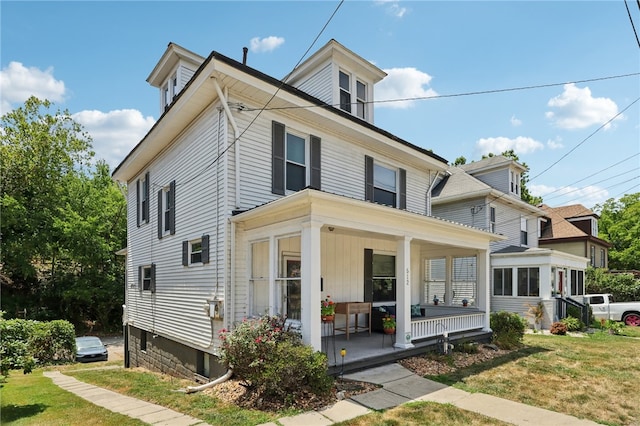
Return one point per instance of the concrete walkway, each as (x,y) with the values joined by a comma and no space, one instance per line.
(399,385)
(145,411)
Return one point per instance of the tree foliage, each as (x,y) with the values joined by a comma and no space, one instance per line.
(620,225)
(63,219)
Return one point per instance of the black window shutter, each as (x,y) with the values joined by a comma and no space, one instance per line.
(185,253)
(147,191)
(315,163)
(138,202)
(152,287)
(160,215)
(172,211)
(368,275)
(402,199)
(277,158)
(368,177)
(205,249)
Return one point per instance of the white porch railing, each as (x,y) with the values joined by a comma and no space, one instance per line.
(431,327)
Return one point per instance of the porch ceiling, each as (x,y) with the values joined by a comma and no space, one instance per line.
(361,218)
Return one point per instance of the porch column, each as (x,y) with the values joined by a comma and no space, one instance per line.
(310,291)
(484,287)
(273,273)
(403,293)
(448,286)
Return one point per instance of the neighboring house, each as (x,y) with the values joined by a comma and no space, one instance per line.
(487,194)
(574,229)
(252,196)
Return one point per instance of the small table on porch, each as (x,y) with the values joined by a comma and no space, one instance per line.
(354,308)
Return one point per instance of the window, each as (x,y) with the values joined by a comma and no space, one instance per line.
(296,160)
(195,251)
(603,258)
(361,99)
(296,165)
(436,273)
(514,181)
(169,91)
(167,210)
(594,227)
(503,282)
(464,279)
(528,281)
(345,91)
(384,185)
(143,340)
(492,219)
(142,194)
(593,256)
(147,278)
(577,282)
(524,234)
(384,278)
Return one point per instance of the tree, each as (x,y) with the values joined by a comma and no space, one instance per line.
(63,219)
(525,195)
(620,225)
(460,161)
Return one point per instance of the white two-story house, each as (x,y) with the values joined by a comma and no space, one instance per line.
(253,195)
(487,194)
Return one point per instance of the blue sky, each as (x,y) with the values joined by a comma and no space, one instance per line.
(93,58)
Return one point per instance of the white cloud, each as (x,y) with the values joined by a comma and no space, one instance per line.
(402,83)
(266,44)
(555,144)
(393,7)
(587,196)
(515,122)
(576,108)
(520,145)
(114,133)
(18,83)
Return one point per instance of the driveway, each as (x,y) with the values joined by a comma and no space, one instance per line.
(115,346)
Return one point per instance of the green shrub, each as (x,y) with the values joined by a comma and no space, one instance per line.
(269,357)
(25,343)
(558,328)
(508,329)
(572,324)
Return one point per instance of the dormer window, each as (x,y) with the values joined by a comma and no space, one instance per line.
(594,227)
(345,92)
(169,91)
(361,99)
(514,182)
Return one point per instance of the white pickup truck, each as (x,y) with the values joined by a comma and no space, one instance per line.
(604,307)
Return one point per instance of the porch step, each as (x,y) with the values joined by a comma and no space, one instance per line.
(421,347)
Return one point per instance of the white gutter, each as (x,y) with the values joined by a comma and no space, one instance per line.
(236,135)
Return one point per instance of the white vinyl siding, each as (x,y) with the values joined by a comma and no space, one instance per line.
(498,179)
(319,85)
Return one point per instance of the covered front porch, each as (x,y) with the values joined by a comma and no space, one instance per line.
(293,253)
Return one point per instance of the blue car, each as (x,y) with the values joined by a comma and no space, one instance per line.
(90,348)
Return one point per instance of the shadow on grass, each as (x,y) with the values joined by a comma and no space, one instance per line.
(461,373)
(11,413)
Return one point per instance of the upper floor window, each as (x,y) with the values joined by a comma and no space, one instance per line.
(603,258)
(385,185)
(361,100)
(593,256)
(169,90)
(492,219)
(594,227)
(195,251)
(167,210)
(514,182)
(345,91)
(142,199)
(147,277)
(296,160)
(524,234)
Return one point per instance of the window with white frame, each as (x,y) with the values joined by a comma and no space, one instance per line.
(503,282)
(169,90)
(529,282)
(594,227)
(593,256)
(464,280)
(345,91)
(524,233)
(603,258)
(142,202)
(436,275)
(147,277)
(196,251)
(167,210)
(514,182)
(361,99)
(296,162)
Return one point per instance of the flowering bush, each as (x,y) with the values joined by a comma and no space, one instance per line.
(389,321)
(327,307)
(270,358)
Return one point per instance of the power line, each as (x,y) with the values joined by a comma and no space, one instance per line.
(631,20)
(585,139)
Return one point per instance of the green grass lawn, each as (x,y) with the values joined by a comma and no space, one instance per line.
(594,377)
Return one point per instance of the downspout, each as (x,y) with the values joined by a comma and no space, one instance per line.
(236,136)
(227,376)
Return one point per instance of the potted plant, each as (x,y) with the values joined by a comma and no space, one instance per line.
(389,324)
(465,302)
(327,309)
